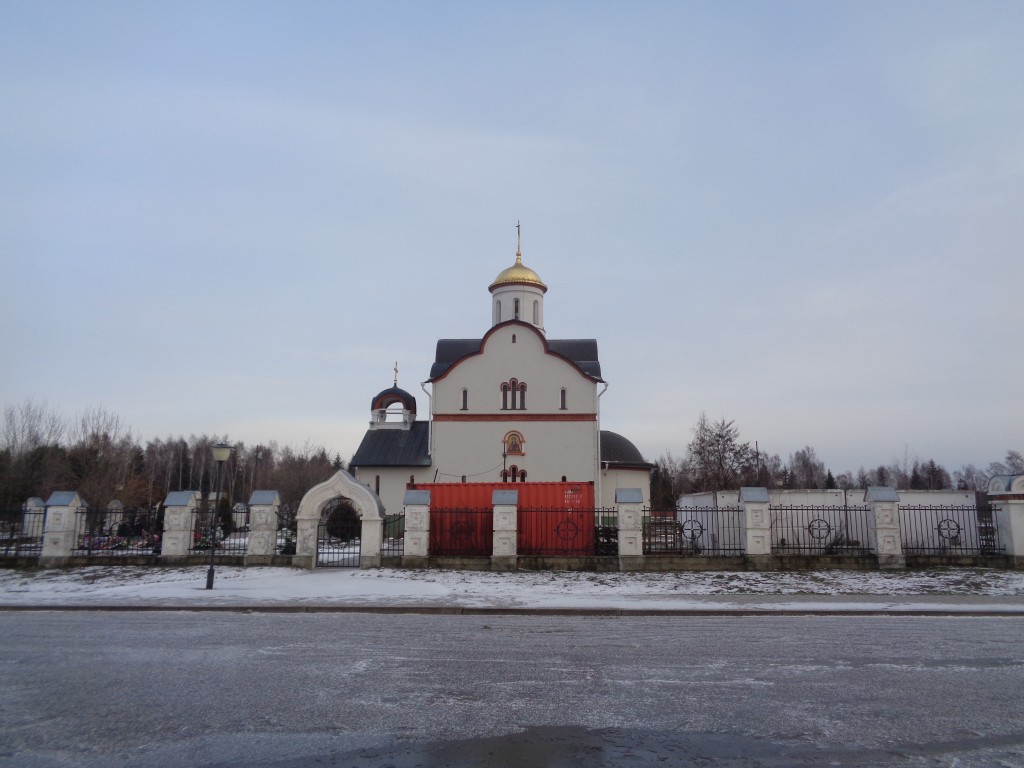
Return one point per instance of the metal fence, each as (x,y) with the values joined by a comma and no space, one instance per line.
(567,532)
(709,531)
(824,530)
(393,538)
(209,530)
(948,530)
(462,532)
(117,532)
(21,532)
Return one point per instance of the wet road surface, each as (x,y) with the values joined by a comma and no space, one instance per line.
(289,691)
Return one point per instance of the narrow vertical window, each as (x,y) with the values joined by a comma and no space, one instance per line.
(376,485)
(513,386)
(504,475)
(522,475)
(522,397)
(504,397)
(497,312)
(515,309)
(561,400)
(536,313)
(465,399)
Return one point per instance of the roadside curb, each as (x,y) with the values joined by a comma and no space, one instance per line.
(950,612)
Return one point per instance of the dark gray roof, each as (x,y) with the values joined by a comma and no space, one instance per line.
(269,498)
(615,449)
(61,498)
(395,447)
(180,498)
(581,352)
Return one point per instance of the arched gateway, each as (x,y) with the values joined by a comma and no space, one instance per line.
(319,498)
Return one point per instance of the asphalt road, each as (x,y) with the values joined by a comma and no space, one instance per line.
(296,690)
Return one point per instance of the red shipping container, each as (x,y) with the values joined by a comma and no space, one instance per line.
(531,495)
(554,518)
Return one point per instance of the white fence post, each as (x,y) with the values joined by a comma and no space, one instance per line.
(59,527)
(179,523)
(630,505)
(504,555)
(263,526)
(1006,494)
(417,529)
(884,526)
(757,526)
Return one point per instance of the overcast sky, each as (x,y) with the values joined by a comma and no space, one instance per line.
(806,217)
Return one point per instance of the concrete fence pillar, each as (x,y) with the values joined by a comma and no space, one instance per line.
(504,556)
(263,525)
(371,533)
(417,529)
(1006,495)
(59,528)
(179,523)
(884,526)
(757,526)
(630,505)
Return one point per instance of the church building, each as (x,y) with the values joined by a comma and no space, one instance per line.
(511,407)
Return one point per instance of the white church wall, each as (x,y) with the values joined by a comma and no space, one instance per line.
(524,359)
(392,483)
(613,479)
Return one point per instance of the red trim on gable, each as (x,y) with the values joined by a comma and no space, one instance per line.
(520,416)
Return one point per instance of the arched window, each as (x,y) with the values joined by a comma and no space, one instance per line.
(536,313)
(561,400)
(497,312)
(522,475)
(504,475)
(513,473)
(465,399)
(513,395)
(376,485)
(515,308)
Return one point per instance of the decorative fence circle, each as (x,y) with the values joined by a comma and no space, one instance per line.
(819,528)
(948,528)
(567,530)
(692,529)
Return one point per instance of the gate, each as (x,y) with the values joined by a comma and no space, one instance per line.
(338,535)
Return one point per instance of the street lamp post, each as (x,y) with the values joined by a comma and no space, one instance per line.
(221,453)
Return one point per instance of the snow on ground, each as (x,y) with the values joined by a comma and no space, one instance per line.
(948,588)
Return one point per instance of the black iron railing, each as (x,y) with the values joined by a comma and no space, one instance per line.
(21,532)
(709,531)
(461,532)
(121,532)
(567,532)
(217,531)
(393,536)
(820,530)
(958,530)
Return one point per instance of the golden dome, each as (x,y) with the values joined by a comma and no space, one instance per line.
(518,274)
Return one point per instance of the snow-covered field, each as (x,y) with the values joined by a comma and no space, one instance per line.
(946,588)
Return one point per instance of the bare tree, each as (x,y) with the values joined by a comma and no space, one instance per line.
(806,469)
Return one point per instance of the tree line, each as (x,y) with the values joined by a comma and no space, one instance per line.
(718,460)
(96,454)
